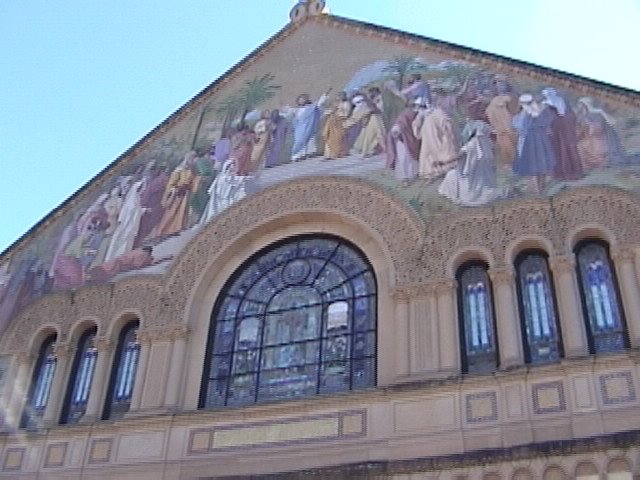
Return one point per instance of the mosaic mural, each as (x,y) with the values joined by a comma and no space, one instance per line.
(441,133)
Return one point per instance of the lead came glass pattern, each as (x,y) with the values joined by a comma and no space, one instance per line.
(601,300)
(41,384)
(84,367)
(299,320)
(127,357)
(480,352)
(542,339)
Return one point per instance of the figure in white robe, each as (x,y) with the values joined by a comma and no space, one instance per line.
(306,120)
(434,128)
(227,188)
(473,182)
(128,223)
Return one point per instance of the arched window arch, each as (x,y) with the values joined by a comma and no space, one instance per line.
(477,321)
(600,295)
(123,372)
(40,386)
(79,386)
(538,311)
(296,320)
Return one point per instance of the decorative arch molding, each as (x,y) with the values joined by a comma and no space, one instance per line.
(103,304)
(418,255)
(614,212)
(395,227)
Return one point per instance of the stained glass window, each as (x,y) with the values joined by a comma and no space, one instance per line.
(84,364)
(542,340)
(298,320)
(600,298)
(42,379)
(123,375)
(479,352)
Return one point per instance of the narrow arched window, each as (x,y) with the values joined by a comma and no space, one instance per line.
(40,387)
(298,319)
(477,322)
(123,373)
(538,311)
(82,369)
(600,298)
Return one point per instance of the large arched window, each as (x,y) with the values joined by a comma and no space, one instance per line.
(538,311)
(84,364)
(477,324)
(123,373)
(40,387)
(600,298)
(298,319)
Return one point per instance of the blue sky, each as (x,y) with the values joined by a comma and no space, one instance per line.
(82,81)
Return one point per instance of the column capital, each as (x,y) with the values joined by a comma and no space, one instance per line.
(179,332)
(23,358)
(103,344)
(501,275)
(401,295)
(62,351)
(623,254)
(562,263)
(443,286)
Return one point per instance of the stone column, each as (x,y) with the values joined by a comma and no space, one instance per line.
(176,367)
(20,389)
(624,261)
(100,381)
(141,372)
(448,328)
(574,333)
(507,318)
(63,354)
(402,333)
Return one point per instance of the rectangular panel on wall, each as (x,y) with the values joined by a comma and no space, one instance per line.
(156,375)
(141,446)
(617,388)
(281,432)
(437,413)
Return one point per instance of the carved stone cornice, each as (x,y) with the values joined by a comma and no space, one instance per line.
(443,287)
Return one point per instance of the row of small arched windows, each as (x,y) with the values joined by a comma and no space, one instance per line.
(539,319)
(120,389)
(299,319)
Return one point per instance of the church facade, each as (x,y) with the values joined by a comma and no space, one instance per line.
(405,259)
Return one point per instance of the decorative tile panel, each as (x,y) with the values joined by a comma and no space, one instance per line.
(13,459)
(548,397)
(617,388)
(56,453)
(481,407)
(100,450)
(292,431)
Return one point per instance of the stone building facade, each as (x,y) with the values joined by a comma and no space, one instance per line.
(448,379)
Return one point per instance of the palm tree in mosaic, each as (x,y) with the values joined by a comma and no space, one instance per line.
(255,92)
(401,66)
(227,110)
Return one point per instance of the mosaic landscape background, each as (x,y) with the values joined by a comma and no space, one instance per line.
(441,133)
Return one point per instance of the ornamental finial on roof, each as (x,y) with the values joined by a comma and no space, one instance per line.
(306,8)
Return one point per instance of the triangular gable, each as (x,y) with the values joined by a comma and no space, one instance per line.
(138,213)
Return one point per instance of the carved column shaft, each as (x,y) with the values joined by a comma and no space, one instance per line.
(99,382)
(60,375)
(141,372)
(507,318)
(20,389)
(624,260)
(448,327)
(574,335)
(176,367)
(401,333)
